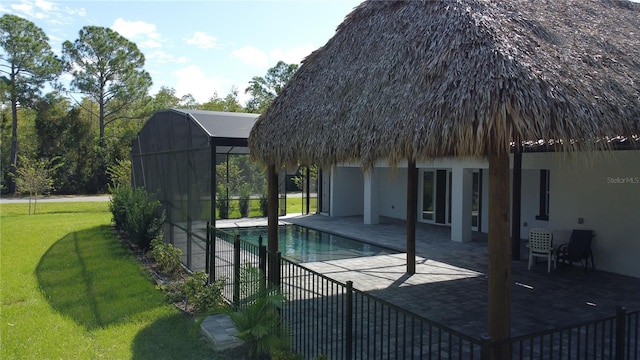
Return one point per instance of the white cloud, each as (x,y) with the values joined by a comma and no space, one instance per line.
(39,9)
(149,44)
(263,60)
(81,12)
(203,40)
(45,5)
(252,56)
(192,80)
(162,57)
(291,56)
(24,8)
(143,34)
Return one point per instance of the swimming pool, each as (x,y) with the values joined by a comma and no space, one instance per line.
(301,244)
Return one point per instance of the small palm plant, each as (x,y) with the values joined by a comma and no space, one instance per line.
(258,320)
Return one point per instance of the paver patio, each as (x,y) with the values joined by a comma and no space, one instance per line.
(450,284)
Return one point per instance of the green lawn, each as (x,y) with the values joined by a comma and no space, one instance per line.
(69,289)
(294,204)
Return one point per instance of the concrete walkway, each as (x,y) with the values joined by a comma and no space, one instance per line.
(450,284)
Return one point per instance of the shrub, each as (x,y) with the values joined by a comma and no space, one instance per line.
(174,292)
(120,199)
(143,221)
(202,296)
(243,201)
(166,256)
(264,204)
(136,213)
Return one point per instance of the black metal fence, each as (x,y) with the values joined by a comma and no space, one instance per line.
(330,318)
(615,337)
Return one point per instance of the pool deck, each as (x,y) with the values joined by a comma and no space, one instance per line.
(450,284)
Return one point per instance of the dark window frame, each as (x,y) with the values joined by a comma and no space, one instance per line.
(545,179)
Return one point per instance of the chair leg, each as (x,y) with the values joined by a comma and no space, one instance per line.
(530,261)
(548,264)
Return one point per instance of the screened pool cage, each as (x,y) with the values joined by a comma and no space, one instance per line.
(196,164)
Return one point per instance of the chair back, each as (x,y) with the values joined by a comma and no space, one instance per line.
(580,244)
(540,240)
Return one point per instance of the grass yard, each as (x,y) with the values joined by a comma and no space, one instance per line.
(69,289)
(295,205)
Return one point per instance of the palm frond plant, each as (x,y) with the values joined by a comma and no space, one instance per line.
(258,319)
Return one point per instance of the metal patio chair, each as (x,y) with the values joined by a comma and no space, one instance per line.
(578,249)
(541,245)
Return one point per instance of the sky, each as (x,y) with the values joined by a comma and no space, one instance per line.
(203,48)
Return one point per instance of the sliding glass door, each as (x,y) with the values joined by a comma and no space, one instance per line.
(476,202)
(436,196)
(428,196)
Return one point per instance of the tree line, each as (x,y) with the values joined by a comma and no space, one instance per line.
(81,139)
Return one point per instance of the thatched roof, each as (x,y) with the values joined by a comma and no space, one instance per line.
(425,79)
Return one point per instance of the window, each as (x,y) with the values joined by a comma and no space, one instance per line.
(476,200)
(544,195)
(428,189)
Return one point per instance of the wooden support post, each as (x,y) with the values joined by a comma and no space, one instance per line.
(272,220)
(412,215)
(516,202)
(499,322)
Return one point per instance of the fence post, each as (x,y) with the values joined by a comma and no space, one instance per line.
(262,262)
(213,251)
(621,313)
(349,318)
(236,271)
(277,267)
(485,350)
(207,256)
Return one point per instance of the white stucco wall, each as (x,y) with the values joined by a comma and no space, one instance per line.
(604,190)
(530,201)
(392,198)
(347,191)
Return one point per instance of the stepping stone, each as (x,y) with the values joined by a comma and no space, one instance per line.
(221,331)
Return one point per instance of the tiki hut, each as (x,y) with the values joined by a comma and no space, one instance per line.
(416,80)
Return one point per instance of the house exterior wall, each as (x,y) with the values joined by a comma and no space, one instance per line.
(530,200)
(602,189)
(347,191)
(393,192)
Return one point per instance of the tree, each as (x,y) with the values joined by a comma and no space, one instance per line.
(228,177)
(230,103)
(4,159)
(61,131)
(120,173)
(26,64)
(108,68)
(264,89)
(33,177)
(188,102)
(300,176)
(165,99)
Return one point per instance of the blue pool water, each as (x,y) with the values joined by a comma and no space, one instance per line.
(302,244)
